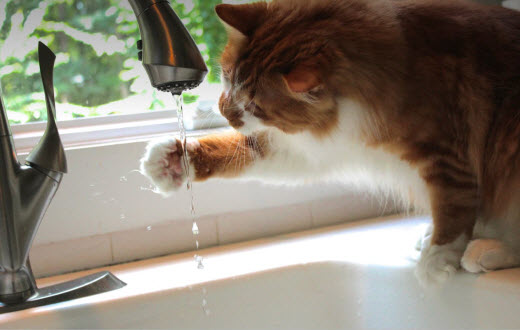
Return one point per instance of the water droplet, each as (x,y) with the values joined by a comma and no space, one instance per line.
(199,261)
(205,307)
(197,244)
(149,188)
(195,228)
(122,217)
(149,228)
(123,179)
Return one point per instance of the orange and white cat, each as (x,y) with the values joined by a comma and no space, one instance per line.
(420,97)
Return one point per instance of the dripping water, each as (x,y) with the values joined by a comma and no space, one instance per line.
(182,129)
(194,228)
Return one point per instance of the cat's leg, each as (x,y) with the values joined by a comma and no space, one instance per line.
(454,215)
(222,155)
(484,255)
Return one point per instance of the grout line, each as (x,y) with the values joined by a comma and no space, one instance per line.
(110,237)
(313,222)
(217,232)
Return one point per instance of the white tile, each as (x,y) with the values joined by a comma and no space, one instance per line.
(163,239)
(262,223)
(348,207)
(57,258)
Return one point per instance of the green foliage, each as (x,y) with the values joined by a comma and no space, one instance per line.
(95,43)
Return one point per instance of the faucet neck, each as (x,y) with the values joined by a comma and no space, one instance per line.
(139,6)
(8,159)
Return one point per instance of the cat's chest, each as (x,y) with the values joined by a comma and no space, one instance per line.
(345,156)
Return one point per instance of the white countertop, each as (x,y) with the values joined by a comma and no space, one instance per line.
(356,275)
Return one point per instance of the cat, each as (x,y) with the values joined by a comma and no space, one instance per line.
(421,97)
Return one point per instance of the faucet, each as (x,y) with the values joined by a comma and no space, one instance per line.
(25,194)
(173,63)
(169,54)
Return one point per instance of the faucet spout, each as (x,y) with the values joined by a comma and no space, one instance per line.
(168,52)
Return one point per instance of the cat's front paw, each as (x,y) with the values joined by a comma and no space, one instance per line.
(163,164)
(438,263)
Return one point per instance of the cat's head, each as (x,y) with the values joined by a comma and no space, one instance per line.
(275,67)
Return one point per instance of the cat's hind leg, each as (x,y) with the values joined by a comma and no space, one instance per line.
(484,255)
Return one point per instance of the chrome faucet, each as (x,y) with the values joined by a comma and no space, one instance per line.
(169,54)
(25,194)
(173,63)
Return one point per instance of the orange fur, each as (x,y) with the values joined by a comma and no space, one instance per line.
(440,81)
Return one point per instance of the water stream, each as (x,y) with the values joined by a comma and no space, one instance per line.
(194,228)
(182,130)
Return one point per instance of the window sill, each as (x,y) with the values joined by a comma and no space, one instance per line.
(112,129)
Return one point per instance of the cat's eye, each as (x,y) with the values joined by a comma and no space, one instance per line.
(252,105)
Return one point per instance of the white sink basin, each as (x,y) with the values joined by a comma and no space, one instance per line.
(358,275)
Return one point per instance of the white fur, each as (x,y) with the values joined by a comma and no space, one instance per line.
(439,262)
(156,166)
(341,156)
(424,241)
(251,124)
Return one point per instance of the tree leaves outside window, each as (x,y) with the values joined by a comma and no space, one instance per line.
(97,71)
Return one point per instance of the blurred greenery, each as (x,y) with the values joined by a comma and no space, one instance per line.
(96,70)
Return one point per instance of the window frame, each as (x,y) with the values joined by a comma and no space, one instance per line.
(84,132)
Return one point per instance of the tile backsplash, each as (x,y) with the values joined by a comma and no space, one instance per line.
(176,236)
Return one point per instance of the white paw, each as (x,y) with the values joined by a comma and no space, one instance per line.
(439,262)
(163,164)
(484,255)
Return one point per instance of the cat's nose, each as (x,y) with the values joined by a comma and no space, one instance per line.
(231,111)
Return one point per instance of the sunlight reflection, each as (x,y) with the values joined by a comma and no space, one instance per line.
(389,244)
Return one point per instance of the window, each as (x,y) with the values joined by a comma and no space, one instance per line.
(97,72)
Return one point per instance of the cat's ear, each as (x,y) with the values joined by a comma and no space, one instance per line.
(303,78)
(245,18)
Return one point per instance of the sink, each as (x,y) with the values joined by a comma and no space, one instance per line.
(356,275)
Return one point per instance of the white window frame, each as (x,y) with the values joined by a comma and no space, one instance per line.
(84,132)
